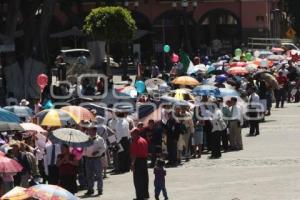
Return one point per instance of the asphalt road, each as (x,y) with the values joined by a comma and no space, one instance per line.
(267,169)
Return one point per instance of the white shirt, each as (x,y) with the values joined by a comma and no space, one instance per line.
(122,128)
(236,113)
(254,99)
(48,155)
(98,146)
(217,121)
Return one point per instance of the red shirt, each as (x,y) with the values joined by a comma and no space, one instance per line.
(282,80)
(139,147)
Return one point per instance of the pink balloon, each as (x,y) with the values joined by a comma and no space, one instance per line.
(174,58)
(42,81)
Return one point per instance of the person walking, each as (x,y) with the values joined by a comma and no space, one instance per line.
(280,93)
(235,124)
(139,154)
(159,180)
(67,165)
(253,112)
(93,165)
(50,159)
(171,130)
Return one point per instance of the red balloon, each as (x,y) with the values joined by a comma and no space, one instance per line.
(42,81)
(174,58)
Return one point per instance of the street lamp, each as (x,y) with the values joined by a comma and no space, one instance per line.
(136,4)
(126,3)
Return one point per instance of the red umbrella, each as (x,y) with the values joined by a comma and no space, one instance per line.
(237,71)
(8,165)
(238,64)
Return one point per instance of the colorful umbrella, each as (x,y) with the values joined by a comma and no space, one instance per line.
(56,118)
(238,64)
(182,94)
(221,78)
(72,137)
(17,193)
(80,112)
(32,127)
(208,90)
(185,80)
(6,116)
(197,68)
(50,192)
(237,71)
(8,165)
(6,126)
(251,67)
(226,92)
(20,111)
(127,91)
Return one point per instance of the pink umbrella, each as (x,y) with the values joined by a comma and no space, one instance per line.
(237,71)
(32,127)
(238,64)
(2,154)
(8,165)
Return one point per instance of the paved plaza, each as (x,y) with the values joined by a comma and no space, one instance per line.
(267,169)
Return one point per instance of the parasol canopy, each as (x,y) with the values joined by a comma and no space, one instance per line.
(80,112)
(182,94)
(207,90)
(17,193)
(8,165)
(6,126)
(20,111)
(32,127)
(56,118)
(185,80)
(6,116)
(237,71)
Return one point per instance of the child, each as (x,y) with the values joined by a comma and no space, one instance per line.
(159,181)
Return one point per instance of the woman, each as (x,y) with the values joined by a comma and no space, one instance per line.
(218,125)
(67,164)
(198,137)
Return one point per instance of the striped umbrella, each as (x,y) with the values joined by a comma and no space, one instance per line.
(20,111)
(80,112)
(50,192)
(56,118)
(6,116)
(72,137)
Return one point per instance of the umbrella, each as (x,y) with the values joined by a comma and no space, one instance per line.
(7,126)
(20,111)
(276,57)
(208,90)
(197,68)
(269,79)
(17,193)
(277,50)
(238,64)
(72,137)
(221,78)
(56,118)
(175,101)
(185,80)
(8,165)
(182,94)
(226,92)
(127,91)
(251,67)
(80,112)
(6,116)
(156,84)
(237,71)
(49,192)
(32,127)
(74,31)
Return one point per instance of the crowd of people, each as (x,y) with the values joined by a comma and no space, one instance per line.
(212,124)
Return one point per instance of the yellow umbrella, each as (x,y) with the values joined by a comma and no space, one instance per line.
(182,94)
(56,118)
(185,80)
(17,193)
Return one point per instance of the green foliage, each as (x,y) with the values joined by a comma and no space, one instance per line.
(114,24)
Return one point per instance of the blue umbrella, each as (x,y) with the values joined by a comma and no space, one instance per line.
(20,111)
(6,116)
(227,92)
(221,78)
(208,90)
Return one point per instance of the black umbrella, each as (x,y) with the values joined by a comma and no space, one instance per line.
(6,126)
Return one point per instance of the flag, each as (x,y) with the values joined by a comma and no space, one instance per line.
(185,60)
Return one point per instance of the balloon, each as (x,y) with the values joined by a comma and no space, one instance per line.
(48,104)
(140,87)
(167,48)
(174,58)
(238,52)
(248,56)
(42,81)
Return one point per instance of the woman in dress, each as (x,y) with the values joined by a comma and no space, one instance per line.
(67,165)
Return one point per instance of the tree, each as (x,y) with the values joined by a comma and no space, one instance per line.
(292,8)
(111,24)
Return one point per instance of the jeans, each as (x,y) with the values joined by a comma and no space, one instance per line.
(93,169)
(158,189)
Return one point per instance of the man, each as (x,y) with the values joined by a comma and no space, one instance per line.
(93,166)
(171,130)
(139,154)
(235,124)
(50,158)
(253,110)
(123,136)
(280,93)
